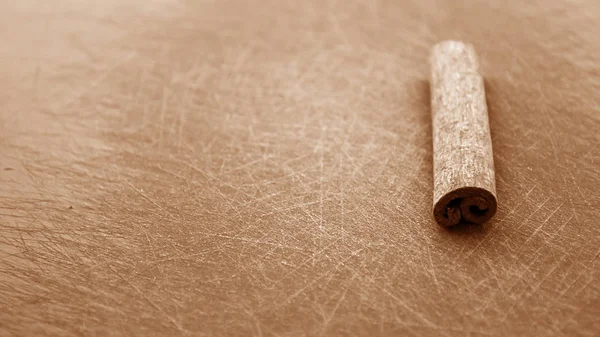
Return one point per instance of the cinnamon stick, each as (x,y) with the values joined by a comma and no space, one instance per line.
(464,189)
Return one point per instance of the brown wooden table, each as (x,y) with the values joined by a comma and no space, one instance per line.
(263,168)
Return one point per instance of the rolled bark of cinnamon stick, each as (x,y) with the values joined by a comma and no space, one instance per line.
(464,188)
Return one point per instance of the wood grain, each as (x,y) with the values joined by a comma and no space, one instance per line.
(464,183)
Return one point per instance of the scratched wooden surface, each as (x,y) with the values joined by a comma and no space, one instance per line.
(239,168)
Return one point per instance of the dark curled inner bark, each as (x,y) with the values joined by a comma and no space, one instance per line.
(465,205)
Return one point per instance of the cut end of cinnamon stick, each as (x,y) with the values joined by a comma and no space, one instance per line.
(465,205)
(463,163)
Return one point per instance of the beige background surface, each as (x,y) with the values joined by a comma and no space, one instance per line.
(263,168)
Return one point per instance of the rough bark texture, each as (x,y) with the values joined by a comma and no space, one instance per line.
(464,187)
